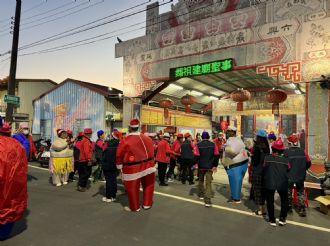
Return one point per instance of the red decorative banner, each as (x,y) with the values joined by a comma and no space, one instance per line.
(288,72)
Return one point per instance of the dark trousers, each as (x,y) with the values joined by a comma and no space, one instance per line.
(85,172)
(110,183)
(269,194)
(187,170)
(170,171)
(75,168)
(162,171)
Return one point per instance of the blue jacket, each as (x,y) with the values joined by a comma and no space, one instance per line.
(109,155)
(23,141)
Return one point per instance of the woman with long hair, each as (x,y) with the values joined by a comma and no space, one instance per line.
(260,150)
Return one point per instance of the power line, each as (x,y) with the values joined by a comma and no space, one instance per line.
(57,13)
(54,19)
(75,44)
(58,36)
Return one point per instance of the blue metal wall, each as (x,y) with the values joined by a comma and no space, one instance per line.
(66,106)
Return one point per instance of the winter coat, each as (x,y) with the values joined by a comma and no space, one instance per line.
(76,150)
(258,159)
(299,161)
(24,142)
(275,172)
(163,152)
(235,153)
(175,148)
(13,180)
(109,155)
(187,150)
(135,156)
(86,150)
(99,149)
(207,155)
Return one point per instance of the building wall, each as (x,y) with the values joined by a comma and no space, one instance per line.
(70,107)
(28,91)
(292,37)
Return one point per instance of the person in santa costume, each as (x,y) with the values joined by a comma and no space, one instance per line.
(135,157)
(13,181)
(176,146)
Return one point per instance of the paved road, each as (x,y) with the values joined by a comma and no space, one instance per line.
(62,216)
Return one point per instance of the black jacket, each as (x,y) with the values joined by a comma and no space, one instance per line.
(187,151)
(109,155)
(207,158)
(258,158)
(98,151)
(275,173)
(298,163)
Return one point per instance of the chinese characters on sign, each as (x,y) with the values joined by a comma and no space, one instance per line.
(202,69)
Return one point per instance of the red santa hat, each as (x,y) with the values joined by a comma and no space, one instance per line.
(5,128)
(117,135)
(279,145)
(69,132)
(88,131)
(59,132)
(80,134)
(187,135)
(294,139)
(134,123)
(180,135)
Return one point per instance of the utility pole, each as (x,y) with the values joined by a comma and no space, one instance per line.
(13,62)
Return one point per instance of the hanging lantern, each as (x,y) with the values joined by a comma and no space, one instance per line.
(240,96)
(276,96)
(187,101)
(166,104)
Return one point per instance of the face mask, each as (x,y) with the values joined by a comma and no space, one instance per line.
(26,132)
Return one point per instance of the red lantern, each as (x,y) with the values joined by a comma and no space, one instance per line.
(187,101)
(224,125)
(240,96)
(276,96)
(166,104)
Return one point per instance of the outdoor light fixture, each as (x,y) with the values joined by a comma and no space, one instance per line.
(297,92)
(213,98)
(178,87)
(196,93)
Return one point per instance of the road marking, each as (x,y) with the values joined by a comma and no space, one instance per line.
(233,210)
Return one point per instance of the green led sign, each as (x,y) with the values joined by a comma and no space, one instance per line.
(202,69)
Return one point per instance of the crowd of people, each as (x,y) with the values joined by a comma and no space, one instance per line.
(136,157)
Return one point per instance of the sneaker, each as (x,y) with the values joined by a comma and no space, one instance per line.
(58,185)
(65,183)
(273,223)
(201,198)
(126,208)
(208,204)
(282,222)
(146,207)
(170,180)
(104,199)
(81,189)
(234,201)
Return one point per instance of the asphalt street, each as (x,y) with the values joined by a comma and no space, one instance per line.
(60,216)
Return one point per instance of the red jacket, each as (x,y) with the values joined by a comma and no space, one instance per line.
(135,156)
(13,180)
(175,148)
(33,149)
(163,152)
(86,150)
(219,143)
